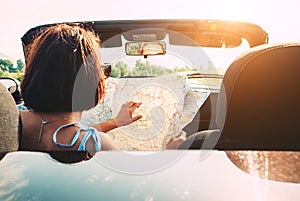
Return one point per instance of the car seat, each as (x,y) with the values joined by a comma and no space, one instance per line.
(9,120)
(258,106)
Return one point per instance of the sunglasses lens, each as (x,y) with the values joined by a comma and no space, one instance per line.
(106,70)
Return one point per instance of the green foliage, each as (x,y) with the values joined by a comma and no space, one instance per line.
(146,69)
(121,69)
(115,72)
(19,76)
(6,65)
(7,69)
(4,73)
(184,69)
(20,65)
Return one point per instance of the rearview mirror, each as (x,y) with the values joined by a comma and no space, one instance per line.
(142,48)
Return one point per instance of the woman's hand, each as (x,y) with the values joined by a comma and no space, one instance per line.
(175,142)
(124,117)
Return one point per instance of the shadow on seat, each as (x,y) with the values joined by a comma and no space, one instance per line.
(259,102)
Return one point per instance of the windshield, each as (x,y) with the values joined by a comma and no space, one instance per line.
(178,59)
(203,67)
(183,55)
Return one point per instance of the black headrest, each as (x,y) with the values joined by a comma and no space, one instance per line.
(259,102)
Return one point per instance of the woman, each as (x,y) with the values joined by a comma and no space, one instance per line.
(62,79)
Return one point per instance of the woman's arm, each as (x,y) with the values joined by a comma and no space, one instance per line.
(107,143)
(106,126)
(123,118)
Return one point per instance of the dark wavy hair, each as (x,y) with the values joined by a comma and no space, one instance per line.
(63,72)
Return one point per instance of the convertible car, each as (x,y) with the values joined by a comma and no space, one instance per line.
(234,95)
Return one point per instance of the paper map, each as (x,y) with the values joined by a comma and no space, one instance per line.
(168,105)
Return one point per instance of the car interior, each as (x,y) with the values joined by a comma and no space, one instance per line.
(9,122)
(247,112)
(242,141)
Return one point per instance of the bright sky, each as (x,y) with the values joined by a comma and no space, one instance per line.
(278,18)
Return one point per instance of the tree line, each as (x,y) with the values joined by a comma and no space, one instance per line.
(8,69)
(121,69)
(8,66)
